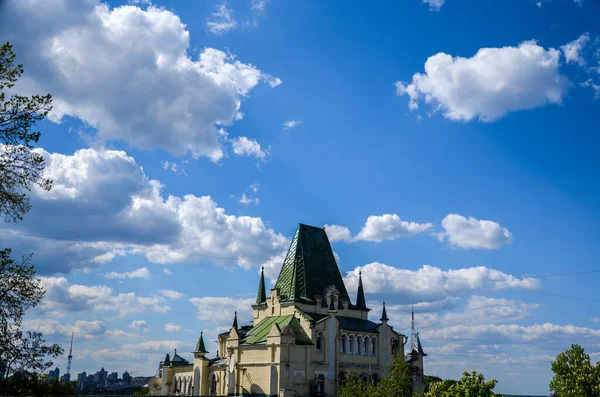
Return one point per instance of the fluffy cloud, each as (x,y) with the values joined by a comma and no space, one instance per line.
(471,233)
(248,200)
(389,227)
(139,325)
(573,50)
(431,284)
(242,146)
(167,272)
(338,233)
(126,71)
(171,294)
(142,272)
(61,296)
(104,204)
(222,20)
(434,5)
(85,329)
(288,125)
(221,310)
(492,83)
(170,327)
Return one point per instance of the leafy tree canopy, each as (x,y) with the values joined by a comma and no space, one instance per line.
(575,375)
(470,385)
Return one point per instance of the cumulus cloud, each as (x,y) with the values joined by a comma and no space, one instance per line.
(139,325)
(172,294)
(338,233)
(62,296)
(434,5)
(220,310)
(572,50)
(431,284)
(170,327)
(128,73)
(167,272)
(389,227)
(254,187)
(471,233)
(142,272)
(222,20)
(288,125)
(489,85)
(102,201)
(242,146)
(83,329)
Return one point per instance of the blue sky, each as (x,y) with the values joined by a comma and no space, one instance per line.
(448,147)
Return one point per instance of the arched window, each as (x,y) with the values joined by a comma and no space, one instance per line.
(319,342)
(320,384)
(213,384)
(343,341)
(394,346)
(358,344)
(366,346)
(373,346)
(351,344)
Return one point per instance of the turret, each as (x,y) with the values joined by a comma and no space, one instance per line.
(384,318)
(200,350)
(235,323)
(261,296)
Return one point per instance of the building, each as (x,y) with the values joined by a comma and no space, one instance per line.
(306,335)
(112,378)
(126,378)
(81,381)
(54,374)
(100,378)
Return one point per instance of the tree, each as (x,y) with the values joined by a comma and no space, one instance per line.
(471,384)
(354,386)
(20,166)
(38,385)
(575,375)
(23,355)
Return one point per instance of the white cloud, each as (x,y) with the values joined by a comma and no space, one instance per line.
(126,72)
(139,325)
(255,187)
(595,87)
(172,294)
(485,310)
(220,310)
(222,20)
(338,233)
(61,296)
(389,227)
(170,327)
(596,319)
(471,233)
(136,220)
(489,85)
(539,3)
(247,200)
(258,5)
(242,146)
(288,125)
(82,329)
(167,272)
(154,345)
(572,50)
(174,168)
(142,272)
(431,284)
(434,5)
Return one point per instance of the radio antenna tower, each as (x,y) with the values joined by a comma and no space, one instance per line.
(412,328)
(70,357)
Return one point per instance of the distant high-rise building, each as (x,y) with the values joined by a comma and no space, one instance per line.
(100,377)
(54,374)
(81,381)
(112,378)
(126,378)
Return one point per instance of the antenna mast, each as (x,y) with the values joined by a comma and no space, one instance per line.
(70,356)
(412,327)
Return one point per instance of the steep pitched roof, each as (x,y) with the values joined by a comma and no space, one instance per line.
(361,303)
(417,348)
(261,296)
(384,316)
(309,267)
(258,334)
(357,324)
(177,360)
(200,348)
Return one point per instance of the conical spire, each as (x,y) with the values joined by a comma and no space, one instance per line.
(384,316)
(235,324)
(166,363)
(200,348)
(261,296)
(360,295)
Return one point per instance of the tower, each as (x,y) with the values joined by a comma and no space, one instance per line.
(416,355)
(69,359)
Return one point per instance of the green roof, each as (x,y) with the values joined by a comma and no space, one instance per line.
(200,348)
(356,324)
(258,333)
(309,267)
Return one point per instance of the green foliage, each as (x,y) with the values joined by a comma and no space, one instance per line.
(428,380)
(575,375)
(19,290)
(20,166)
(37,385)
(143,392)
(470,385)
(396,384)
